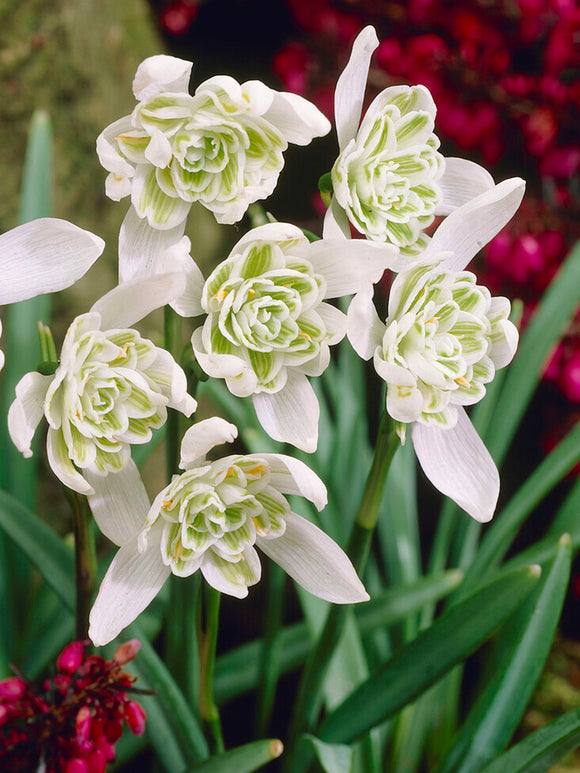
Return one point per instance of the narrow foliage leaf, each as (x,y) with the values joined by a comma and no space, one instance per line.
(244,759)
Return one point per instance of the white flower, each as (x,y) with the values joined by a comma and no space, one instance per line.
(110,389)
(222,147)
(442,341)
(389,180)
(268,326)
(212,517)
(43,256)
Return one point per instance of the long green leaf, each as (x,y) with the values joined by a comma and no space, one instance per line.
(523,647)
(545,329)
(541,749)
(244,759)
(454,636)
(238,670)
(505,526)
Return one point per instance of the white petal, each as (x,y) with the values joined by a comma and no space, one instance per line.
(468,228)
(130,585)
(503,350)
(350,264)
(44,256)
(161,73)
(336,223)
(164,369)
(119,503)
(202,437)
(158,151)
(216,577)
(335,322)
(284,234)
(27,410)
(364,329)
(457,463)
(462,180)
(141,247)
(129,302)
(109,156)
(178,258)
(350,89)
(240,378)
(297,118)
(315,561)
(291,476)
(60,463)
(290,415)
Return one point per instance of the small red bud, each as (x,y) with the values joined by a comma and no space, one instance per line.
(12,689)
(97,762)
(135,716)
(71,657)
(83,728)
(76,765)
(126,652)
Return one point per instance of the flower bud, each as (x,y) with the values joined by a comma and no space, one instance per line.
(126,651)
(12,689)
(71,657)
(135,717)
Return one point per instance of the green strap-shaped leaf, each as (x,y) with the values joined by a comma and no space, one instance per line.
(244,759)
(54,560)
(454,636)
(238,670)
(541,749)
(334,757)
(523,646)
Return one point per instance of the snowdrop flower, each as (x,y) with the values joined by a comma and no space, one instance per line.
(211,518)
(443,339)
(389,180)
(110,389)
(223,147)
(268,326)
(43,256)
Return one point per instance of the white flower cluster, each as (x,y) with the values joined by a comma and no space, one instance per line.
(267,324)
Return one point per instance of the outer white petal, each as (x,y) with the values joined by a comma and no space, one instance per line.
(290,415)
(335,323)
(350,89)
(315,561)
(161,73)
(240,378)
(110,158)
(129,302)
(348,265)
(142,247)
(130,585)
(27,410)
(202,437)
(164,368)
(178,258)
(297,118)
(364,328)
(44,256)
(60,463)
(336,223)
(119,503)
(291,476)
(457,463)
(462,180)
(468,228)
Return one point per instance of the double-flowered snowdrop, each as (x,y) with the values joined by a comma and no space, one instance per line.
(43,256)
(222,147)
(390,180)
(268,325)
(442,341)
(211,518)
(110,389)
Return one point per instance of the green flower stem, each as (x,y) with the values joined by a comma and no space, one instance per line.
(270,654)
(207,628)
(173,428)
(85,561)
(181,649)
(308,700)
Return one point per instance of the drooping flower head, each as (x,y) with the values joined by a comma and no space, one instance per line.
(43,256)
(268,326)
(222,147)
(442,341)
(212,518)
(389,180)
(111,388)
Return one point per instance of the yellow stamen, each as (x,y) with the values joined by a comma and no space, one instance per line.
(462,381)
(304,335)
(259,529)
(222,295)
(251,293)
(167,504)
(257,470)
